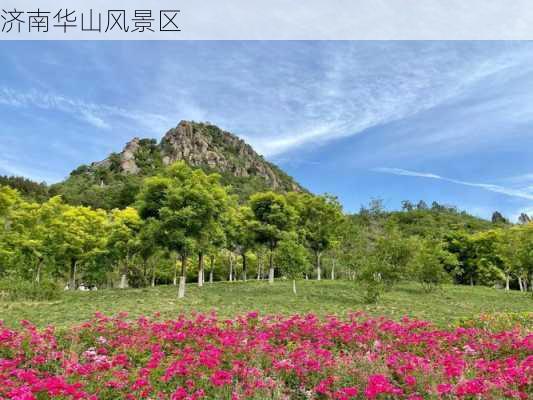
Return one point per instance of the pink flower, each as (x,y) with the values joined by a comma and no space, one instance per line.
(379,384)
(471,387)
(254,356)
(410,380)
(346,393)
(444,388)
(179,394)
(221,378)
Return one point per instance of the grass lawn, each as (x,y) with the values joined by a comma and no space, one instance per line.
(443,307)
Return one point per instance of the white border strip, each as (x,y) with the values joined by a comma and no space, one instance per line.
(300,19)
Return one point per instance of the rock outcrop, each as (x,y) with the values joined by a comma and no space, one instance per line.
(127,157)
(204,146)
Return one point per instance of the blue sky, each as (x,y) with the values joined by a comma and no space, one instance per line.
(445,121)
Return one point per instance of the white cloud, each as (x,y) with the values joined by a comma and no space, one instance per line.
(100,116)
(519,193)
(94,120)
(356,90)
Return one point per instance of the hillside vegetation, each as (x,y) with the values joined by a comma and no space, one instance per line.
(115,181)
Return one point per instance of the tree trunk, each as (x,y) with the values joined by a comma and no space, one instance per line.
(318,270)
(520,284)
(175,281)
(259,268)
(38,272)
(333,270)
(271,267)
(123,282)
(212,269)
(153,275)
(72,280)
(294,286)
(183,277)
(507,279)
(244,267)
(181,288)
(471,281)
(200,269)
(231,267)
(124,278)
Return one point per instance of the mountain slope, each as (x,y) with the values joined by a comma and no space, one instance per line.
(114,181)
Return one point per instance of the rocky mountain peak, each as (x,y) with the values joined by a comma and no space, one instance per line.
(201,145)
(205,145)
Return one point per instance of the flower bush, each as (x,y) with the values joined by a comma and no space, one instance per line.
(270,357)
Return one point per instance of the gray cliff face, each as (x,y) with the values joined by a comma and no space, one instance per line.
(127,157)
(205,146)
(186,143)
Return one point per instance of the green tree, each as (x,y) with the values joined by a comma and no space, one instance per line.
(124,240)
(149,248)
(292,258)
(189,205)
(81,235)
(430,262)
(273,218)
(515,248)
(241,235)
(462,244)
(487,259)
(387,262)
(356,241)
(8,197)
(524,218)
(498,218)
(31,228)
(319,221)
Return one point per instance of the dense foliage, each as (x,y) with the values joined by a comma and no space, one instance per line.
(272,357)
(30,190)
(185,224)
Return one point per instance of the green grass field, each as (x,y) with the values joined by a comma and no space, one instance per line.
(443,307)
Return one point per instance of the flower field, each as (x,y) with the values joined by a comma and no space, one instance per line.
(270,357)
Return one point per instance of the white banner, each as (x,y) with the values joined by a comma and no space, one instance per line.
(265,19)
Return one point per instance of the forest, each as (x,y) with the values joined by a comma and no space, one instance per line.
(185,225)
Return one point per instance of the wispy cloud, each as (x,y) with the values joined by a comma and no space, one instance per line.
(356,91)
(519,193)
(307,95)
(94,120)
(100,115)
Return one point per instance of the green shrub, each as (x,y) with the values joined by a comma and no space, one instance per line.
(373,291)
(12,289)
(388,262)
